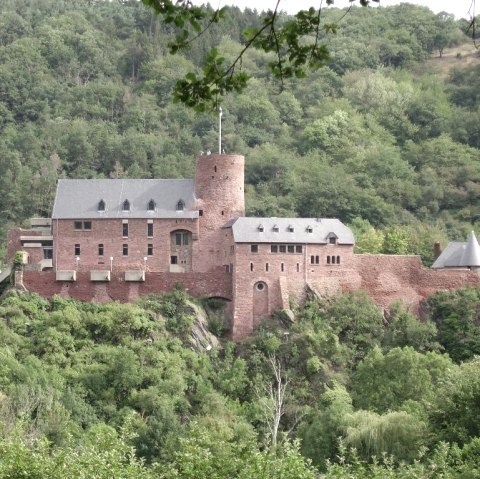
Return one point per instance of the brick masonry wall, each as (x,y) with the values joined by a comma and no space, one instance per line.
(109,232)
(384,278)
(14,244)
(212,284)
(219,188)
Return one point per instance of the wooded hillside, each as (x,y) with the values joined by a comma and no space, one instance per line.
(377,138)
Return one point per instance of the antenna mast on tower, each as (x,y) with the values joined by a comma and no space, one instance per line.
(220,130)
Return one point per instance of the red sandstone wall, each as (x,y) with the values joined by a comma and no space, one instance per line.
(385,278)
(212,284)
(14,244)
(219,188)
(109,233)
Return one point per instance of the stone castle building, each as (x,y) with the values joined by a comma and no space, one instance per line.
(117,239)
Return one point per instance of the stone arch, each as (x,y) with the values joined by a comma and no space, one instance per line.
(260,301)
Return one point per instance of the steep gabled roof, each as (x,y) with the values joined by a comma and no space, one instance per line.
(80,198)
(471,253)
(305,230)
(460,255)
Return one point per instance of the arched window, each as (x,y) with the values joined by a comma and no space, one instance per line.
(126,205)
(180,205)
(151,205)
(101,205)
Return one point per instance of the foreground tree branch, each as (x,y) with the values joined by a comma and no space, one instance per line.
(294,42)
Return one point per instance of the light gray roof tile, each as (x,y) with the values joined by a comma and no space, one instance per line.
(80,198)
(246,230)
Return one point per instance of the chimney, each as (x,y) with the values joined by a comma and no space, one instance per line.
(437,249)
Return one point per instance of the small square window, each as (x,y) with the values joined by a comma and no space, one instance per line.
(173,259)
(274,248)
(332,240)
(298,248)
(87,225)
(282,248)
(291,248)
(254,248)
(125,249)
(77,250)
(78,225)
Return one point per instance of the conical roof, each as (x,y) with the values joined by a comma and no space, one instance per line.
(471,254)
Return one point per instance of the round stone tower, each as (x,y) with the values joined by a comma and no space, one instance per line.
(219,188)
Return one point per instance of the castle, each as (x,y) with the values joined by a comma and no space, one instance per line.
(117,239)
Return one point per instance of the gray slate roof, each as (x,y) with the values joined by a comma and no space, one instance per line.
(248,230)
(460,255)
(80,198)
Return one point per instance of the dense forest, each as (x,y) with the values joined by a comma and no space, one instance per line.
(123,391)
(379,138)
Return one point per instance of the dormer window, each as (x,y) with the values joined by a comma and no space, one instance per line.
(291,229)
(101,205)
(260,228)
(332,238)
(151,205)
(180,205)
(126,205)
(309,229)
(275,228)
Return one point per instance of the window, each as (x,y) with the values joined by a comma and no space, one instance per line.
(215,169)
(82,225)
(100,249)
(260,228)
(47,253)
(173,259)
(312,259)
(150,249)
(332,240)
(317,259)
(298,267)
(181,239)
(101,205)
(333,259)
(254,248)
(338,259)
(266,267)
(149,230)
(328,259)
(200,212)
(282,267)
(151,205)
(309,229)
(251,266)
(125,249)
(291,229)
(125,230)
(275,228)
(180,205)
(77,250)
(232,249)
(274,248)
(126,205)
(298,248)
(260,286)
(291,248)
